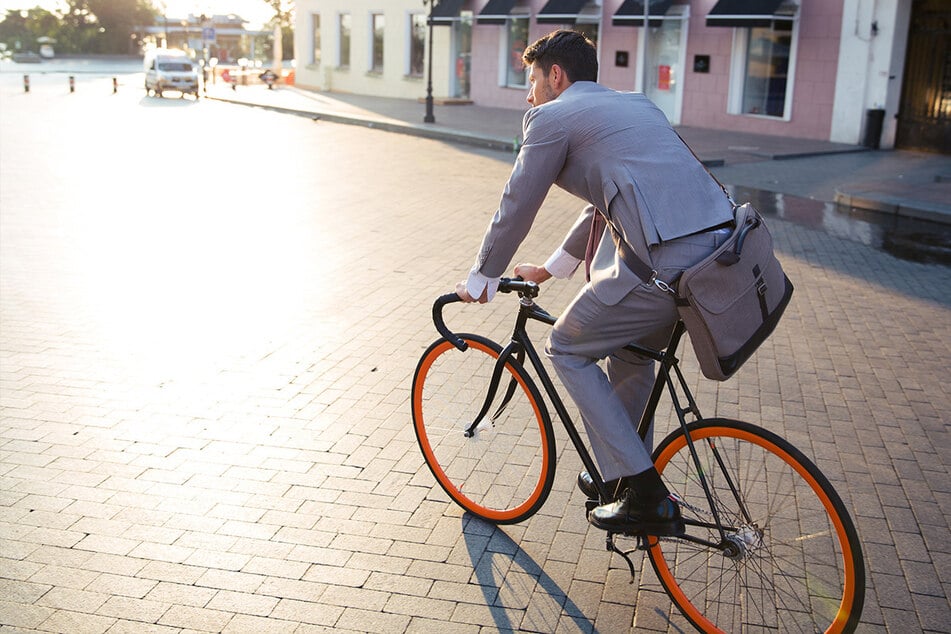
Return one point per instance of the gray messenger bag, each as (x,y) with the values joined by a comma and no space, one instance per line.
(730,301)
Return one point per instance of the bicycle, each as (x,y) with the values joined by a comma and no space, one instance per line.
(769,543)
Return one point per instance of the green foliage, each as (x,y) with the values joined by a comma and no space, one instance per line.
(84,26)
(19,30)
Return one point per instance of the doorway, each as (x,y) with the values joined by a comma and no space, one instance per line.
(461,56)
(924,116)
(661,62)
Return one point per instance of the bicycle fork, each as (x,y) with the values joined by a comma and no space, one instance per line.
(513,348)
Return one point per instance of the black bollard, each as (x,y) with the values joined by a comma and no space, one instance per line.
(26,83)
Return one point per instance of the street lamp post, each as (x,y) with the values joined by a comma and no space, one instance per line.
(430,117)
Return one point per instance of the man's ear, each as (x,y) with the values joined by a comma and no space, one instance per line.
(558,79)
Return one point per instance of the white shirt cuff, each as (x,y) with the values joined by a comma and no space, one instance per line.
(562,264)
(476,283)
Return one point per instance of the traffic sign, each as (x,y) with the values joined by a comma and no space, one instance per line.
(208,34)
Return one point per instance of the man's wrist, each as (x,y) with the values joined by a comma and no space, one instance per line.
(561,264)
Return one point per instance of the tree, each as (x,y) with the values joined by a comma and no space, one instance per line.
(283,11)
(84,26)
(118,20)
(20,29)
(283,15)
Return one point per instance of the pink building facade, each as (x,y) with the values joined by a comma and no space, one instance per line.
(801,68)
(706,89)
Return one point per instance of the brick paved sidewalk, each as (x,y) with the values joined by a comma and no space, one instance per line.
(208,430)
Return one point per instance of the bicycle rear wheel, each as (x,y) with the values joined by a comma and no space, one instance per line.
(502,469)
(791,562)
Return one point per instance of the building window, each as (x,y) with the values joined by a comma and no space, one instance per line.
(763,63)
(516,40)
(376,39)
(343,38)
(589,29)
(315,31)
(417,44)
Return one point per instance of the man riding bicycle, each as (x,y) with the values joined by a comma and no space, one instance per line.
(617,152)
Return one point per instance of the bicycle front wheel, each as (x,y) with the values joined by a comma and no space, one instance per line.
(500,467)
(789,559)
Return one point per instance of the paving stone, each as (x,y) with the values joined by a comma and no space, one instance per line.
(204,418)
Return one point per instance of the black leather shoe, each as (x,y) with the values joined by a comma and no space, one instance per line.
(587,486)
(626,515)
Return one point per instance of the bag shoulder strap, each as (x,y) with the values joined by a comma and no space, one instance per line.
(715,179)
(631,259)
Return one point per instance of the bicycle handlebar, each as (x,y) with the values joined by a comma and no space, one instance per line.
(506,285)
(454,339)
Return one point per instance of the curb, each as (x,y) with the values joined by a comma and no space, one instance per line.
(894,205)
(882,203)
(437,133)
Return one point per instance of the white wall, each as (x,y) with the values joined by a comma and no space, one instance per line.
(869,72)
(393,81)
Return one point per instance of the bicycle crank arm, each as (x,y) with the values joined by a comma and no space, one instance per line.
(611,546)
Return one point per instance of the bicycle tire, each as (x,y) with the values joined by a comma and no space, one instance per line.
(796,567)
(504,472)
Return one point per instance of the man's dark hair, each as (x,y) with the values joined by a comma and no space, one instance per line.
(572,51)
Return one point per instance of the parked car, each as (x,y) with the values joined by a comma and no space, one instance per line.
(28,57)
(170,69)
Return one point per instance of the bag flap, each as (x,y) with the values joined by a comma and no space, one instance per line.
(715,286)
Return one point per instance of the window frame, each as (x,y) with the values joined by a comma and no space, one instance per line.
(411,18)
(372,66)
(341,16)
(738,71)
(315,40)
(506,52)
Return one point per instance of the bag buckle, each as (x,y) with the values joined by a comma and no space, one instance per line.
(661,284)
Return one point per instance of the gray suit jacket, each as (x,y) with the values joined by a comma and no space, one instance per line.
(617,152)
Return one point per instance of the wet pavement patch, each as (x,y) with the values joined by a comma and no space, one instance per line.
(919,246)
(906,238)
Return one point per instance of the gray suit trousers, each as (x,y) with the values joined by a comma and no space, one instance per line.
(612,400)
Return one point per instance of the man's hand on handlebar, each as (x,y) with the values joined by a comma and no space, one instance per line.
(464,294)
(532,273)
(525,272)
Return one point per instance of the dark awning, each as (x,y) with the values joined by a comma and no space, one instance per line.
(445,12)
(495,12)
(560,11)
(631,12)
(743,13)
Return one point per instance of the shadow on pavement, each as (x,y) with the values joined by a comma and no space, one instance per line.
(488,546)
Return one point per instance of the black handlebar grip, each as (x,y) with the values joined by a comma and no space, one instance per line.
(452,338)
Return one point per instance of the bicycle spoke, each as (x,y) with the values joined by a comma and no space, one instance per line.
(499,468)
(781,566)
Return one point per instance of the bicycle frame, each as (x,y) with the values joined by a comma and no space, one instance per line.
(521,346)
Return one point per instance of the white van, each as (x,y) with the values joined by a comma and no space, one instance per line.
(170,69)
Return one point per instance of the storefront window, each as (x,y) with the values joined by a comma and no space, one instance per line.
(589,29)
(377,24)
(417,44)
(516,40)
(767,69)
(343,29)
(315,30)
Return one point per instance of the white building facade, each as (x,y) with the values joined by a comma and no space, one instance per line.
(838,70)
